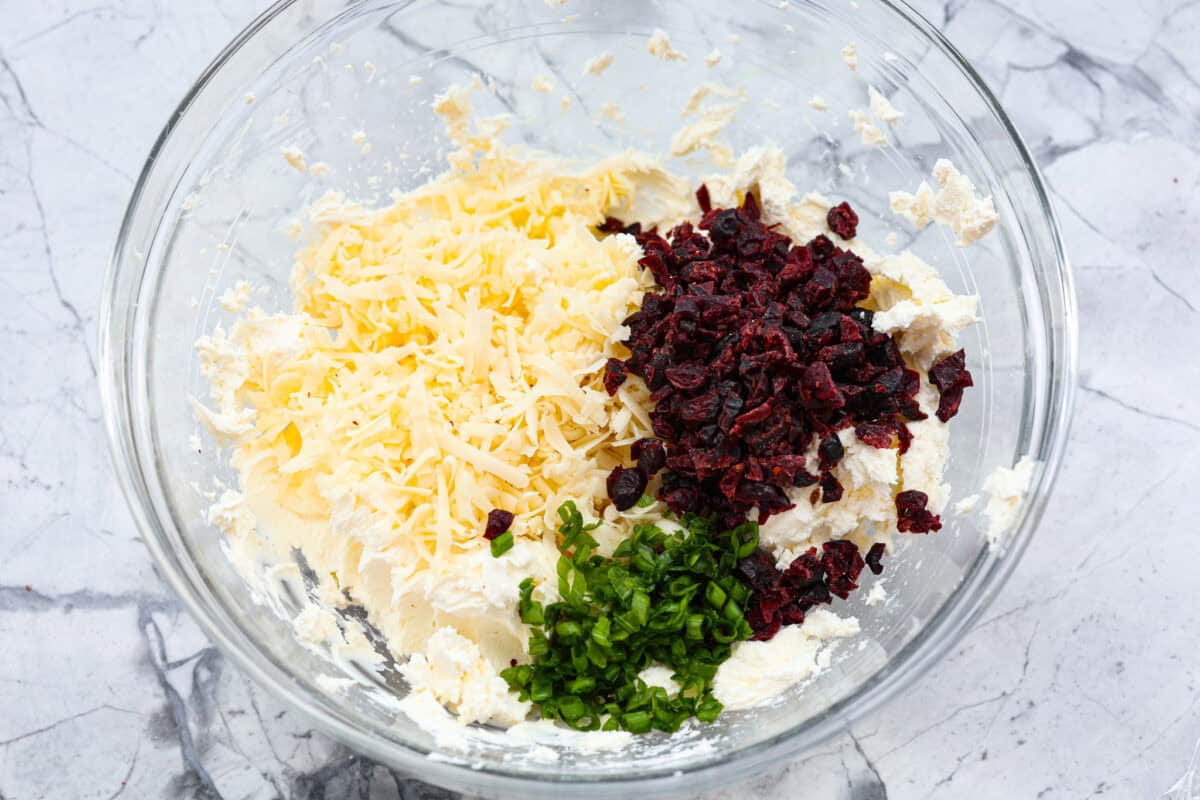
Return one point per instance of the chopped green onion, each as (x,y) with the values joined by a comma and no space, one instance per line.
(640,606)
(670,599)
(502,544)
(571,708)
(568,630)
(708,709)
(600,632)
(715,595)
(637,722)
(542,689)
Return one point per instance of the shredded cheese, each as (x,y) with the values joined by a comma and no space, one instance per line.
(444,357)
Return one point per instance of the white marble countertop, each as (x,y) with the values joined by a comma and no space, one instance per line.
(1080,681)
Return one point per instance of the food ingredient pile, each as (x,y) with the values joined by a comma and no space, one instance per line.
(593,443)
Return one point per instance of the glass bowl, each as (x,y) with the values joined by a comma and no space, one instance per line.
(215,198)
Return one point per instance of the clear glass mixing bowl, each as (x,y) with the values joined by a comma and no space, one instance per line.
(215,197)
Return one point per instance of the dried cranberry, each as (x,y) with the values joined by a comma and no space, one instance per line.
(498,521)
(650,454)
(814,595)
(767,630)
(750,206)
(817,388)
(682,499)
(625,487)
(821,289)
(614,375)
(703,199)
(804,571)
(688,376)
(875,434)
(951,377)
(873,557)
(912,515)
(830,451)
(843,221)
(724,227)
(843,565)
(831,488)
(758,571)
(822,248)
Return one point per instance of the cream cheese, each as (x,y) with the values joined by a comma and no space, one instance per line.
(850,56)
(760,672)
(868,132)
(294,157)
(1006,489)
(456,674)
(597,64)
(882,108)
(954,205)
(659,46)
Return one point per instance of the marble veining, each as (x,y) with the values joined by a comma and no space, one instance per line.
(1079,683)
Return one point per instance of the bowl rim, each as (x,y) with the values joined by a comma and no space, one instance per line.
(952,621)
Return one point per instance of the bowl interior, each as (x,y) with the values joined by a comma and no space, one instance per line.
(218,198)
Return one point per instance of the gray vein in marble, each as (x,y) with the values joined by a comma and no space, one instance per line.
(1172,291)
(47,728)
(157,649)
(1141,412)
(874,789)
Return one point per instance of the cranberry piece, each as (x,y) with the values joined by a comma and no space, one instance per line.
(767,631)
(804,572)
(912,515)
(843,221)
(498,521)
(873,557)
(815,595)
(682,499)
(724,227)
(951,377)
(831,488)
(614,375)
(650,454)
(822,248)
(876,434)
(625,487)
(817,388)
(830,451)
(758,571)
(821,289)
(689,376)
(750,206)
(703,199)
(843,565)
